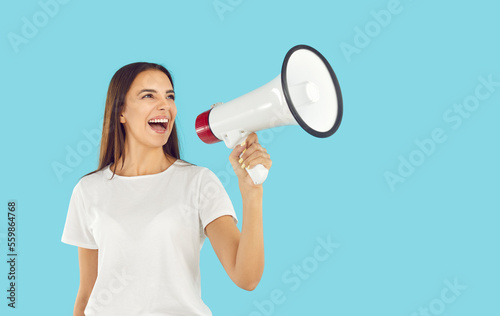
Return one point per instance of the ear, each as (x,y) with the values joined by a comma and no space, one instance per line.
(122,118)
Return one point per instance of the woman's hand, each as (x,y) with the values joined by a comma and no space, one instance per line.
(253,154)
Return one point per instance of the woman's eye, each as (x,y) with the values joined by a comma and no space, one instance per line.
(148,96)
(171,96)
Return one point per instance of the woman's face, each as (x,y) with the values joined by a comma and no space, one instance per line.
(150,96)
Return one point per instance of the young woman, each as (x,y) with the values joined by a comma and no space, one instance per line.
(141,218)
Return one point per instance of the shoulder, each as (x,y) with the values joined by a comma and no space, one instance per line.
(202,174)
(95,176)
(93,181)
(192,169)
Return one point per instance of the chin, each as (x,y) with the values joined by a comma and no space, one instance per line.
(156,144)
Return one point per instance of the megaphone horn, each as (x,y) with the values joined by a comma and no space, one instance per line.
(306,93)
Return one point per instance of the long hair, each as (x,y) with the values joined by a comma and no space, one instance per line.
(113,132)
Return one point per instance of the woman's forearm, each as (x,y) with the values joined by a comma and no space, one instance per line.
(250,255)
(80,304)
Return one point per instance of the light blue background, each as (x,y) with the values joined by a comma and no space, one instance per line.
(397,248)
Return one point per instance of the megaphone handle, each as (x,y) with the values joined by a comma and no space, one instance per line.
(257,173)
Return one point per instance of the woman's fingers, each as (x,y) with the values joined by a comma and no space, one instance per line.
(248,156)
(254,155)
(252,138)
(234,158)
(235,154)
(257,157)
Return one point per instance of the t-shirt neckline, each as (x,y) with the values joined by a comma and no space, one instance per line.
(110,173)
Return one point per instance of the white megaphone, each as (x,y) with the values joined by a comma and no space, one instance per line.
(306,93)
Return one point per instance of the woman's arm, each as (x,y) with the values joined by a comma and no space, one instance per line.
(242,254)
(88,274)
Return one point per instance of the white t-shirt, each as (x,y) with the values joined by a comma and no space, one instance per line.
(149,230)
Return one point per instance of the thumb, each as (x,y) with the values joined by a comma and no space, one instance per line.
(234,160)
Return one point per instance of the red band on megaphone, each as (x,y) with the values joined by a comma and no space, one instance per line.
(203,129)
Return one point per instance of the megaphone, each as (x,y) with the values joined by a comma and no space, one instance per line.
(306,93)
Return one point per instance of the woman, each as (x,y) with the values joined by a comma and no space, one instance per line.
(141,218)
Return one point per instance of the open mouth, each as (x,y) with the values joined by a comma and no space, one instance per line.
(159,125)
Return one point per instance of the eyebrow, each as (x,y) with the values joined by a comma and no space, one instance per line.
(152,90)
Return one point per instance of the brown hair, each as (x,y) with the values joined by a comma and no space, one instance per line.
(113,132)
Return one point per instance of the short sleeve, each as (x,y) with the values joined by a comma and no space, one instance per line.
(214,201)
(76,229)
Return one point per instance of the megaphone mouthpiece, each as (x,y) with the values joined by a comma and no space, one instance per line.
(203,129)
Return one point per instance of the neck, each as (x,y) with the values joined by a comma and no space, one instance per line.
(145,161)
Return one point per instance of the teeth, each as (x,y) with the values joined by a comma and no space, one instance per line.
(158,121)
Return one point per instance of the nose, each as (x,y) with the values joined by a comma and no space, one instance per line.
(162,104)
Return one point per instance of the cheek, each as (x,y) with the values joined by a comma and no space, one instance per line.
(136,117)
(174,112)
(137,122)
